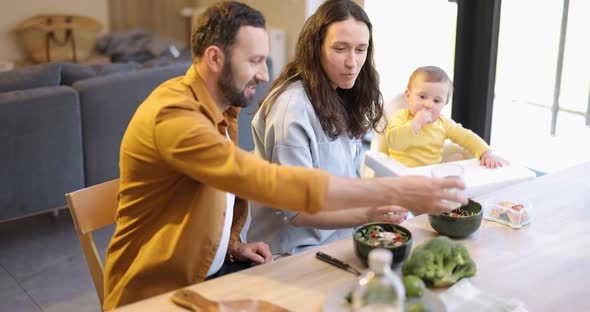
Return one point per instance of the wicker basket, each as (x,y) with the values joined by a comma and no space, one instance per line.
(58,37)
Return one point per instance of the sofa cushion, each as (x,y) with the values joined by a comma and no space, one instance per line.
(41,149)
(36,76)
(114,68)
(72,72)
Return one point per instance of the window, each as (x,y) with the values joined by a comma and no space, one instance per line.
(409,34)
(526,76)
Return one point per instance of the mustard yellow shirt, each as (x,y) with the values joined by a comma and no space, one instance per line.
(425,147)
(176,166)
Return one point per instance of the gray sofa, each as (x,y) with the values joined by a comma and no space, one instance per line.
(104,118)
(57,138)
(41,149)
(61,126)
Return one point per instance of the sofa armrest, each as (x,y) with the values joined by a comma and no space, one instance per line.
(41,154)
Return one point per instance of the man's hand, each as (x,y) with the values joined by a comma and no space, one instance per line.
(421,194)
(490,160)
(256,253)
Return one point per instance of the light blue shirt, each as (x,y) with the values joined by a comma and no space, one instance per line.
(292,135)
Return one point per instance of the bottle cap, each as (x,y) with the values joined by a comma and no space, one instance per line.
(380,258)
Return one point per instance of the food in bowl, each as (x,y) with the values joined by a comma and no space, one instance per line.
(459,224)
(377,236)
(392,237)
(459,213)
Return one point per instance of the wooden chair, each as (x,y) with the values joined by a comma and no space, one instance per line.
(92,208)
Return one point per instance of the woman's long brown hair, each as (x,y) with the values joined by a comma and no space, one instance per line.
(351,111)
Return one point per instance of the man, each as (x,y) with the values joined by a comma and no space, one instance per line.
(178,219)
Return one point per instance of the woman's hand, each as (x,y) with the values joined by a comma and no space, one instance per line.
(256,253)
(490,160)
(392,214)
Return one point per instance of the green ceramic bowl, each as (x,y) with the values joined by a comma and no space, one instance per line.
(400,253)
(458,226)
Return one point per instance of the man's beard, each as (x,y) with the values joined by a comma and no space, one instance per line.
(227,86)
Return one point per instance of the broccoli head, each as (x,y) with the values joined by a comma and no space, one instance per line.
(440,262)
(422,266)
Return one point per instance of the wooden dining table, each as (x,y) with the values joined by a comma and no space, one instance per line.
(545,265)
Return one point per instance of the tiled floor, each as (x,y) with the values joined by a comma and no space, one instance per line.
(42,267)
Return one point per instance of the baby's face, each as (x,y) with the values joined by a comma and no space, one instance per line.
(424,95)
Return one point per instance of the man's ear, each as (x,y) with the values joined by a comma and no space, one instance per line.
(214,58)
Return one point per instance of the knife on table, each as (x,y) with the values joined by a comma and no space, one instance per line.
(337,263)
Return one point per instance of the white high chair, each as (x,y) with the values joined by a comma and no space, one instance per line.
(378,148)
(478,179)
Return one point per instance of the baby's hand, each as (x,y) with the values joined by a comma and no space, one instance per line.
(422,117)
(490,160)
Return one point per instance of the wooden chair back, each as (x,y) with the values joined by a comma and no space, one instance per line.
(92,208)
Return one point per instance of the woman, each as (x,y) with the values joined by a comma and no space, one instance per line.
(314,116)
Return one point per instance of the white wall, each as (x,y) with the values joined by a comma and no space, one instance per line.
(14,11)
(284,14)
(410,34)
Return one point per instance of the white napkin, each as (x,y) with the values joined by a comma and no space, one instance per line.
(464,297)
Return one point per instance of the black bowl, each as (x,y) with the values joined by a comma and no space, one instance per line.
(458,226)
(400,253)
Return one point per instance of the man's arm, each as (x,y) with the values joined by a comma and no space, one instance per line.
(418,194)
(189,143)
(192,145)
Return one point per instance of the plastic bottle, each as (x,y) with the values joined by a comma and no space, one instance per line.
(379,289)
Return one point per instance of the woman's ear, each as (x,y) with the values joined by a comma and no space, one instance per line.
(214,58)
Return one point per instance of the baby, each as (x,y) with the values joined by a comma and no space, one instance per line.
(415,136)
